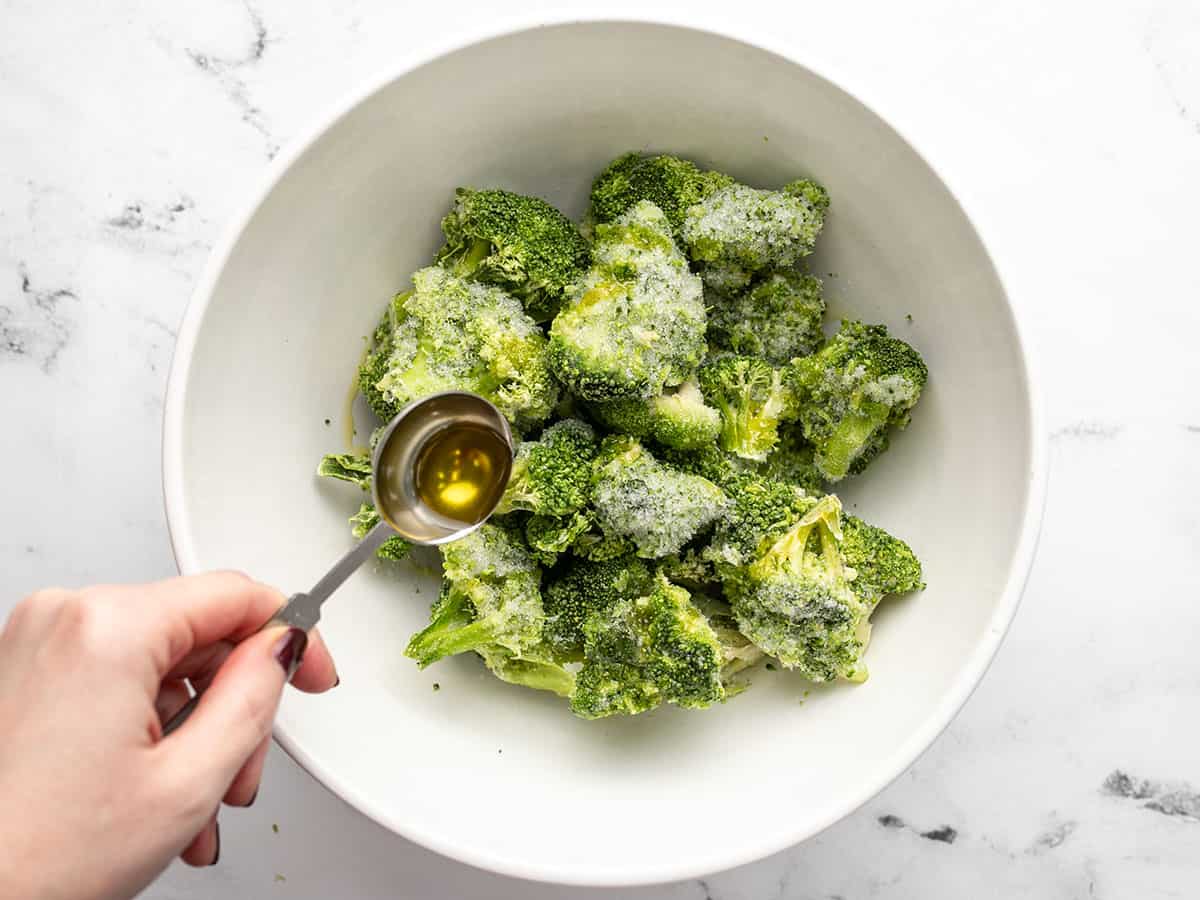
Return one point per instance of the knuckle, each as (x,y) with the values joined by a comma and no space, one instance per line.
(235,575)
(48,600)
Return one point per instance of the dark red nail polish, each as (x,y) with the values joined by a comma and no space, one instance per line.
(217,835)
(337,680)
(253,797)
(289,651)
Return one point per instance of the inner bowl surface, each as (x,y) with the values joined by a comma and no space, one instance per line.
(506,778)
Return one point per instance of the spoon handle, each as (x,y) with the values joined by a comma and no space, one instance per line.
(303,610)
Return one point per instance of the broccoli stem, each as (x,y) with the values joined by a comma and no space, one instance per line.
(451,631)
(537,675)
(466,264)
(850,437)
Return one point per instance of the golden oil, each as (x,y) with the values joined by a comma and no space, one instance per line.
(461,472)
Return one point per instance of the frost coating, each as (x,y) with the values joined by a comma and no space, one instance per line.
(754,229)
(636,322)
(778,318)
(449,333)
(656,507)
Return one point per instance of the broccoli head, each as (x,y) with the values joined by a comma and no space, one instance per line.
(777,318)
(672,184)
(635,323)
(744,228)
(883,564)
(490,600)
(642,652)
(760,511)
(520,243)
(656,507)
(752,399)
(678,418)
(453,334)
(850,393)
(796,602)
(553,475)
(583,588)
(732,229)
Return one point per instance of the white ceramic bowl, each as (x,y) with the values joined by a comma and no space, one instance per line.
(506,778)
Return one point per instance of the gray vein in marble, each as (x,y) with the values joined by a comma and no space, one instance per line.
(1052,838)
(944,833)
(1167,77)
(1086,431)
(36,326)
(226,71)
(1177,801)
(1194,429)
(135,218)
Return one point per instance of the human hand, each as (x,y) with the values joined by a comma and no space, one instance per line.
(94,802)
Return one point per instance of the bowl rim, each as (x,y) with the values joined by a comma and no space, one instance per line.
(756,36)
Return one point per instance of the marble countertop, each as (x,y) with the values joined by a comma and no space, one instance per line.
(132,132)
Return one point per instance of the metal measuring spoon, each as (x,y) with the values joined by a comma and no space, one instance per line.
(403,511)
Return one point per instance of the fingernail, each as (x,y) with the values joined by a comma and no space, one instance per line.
(337,680)
(289,651)
(217,834)
(253,797)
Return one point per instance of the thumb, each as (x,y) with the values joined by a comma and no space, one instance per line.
(236,712)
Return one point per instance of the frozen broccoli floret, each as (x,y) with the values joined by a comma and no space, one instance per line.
(352,467)
(658,508)
(852,392)
(752,399)
(732,229)
(586,587)
(792,460)
(672,184)
(521,243)
(453,334)
(750,229)
(367,517)
(490,603)
(635,324)
(643,652)
(883,564)
(553,475)
(760,511)
(678,418)
(778,318)
(796,601)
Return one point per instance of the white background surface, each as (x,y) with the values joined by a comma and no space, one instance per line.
(132,132)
